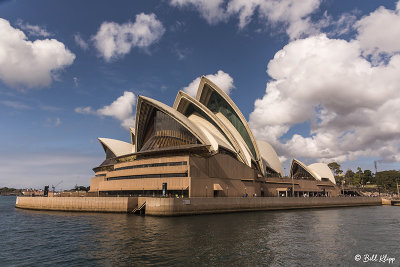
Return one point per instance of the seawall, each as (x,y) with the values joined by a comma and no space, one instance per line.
(88,204)
(187,206)
(178,206)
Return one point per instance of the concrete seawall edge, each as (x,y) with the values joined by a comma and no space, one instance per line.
(190,206)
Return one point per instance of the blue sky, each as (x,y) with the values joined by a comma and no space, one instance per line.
(316,79)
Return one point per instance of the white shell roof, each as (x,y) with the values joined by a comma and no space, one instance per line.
(239,139)
(323,171)
(119,148)
(199,97)
(179,117)
(132,131)
(216,138)
(269,155)
(181,102)
(316,170)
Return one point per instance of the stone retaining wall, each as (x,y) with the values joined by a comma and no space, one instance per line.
(91,204)
(178,206)
(187,206)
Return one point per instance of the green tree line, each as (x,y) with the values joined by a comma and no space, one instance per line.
(387,180)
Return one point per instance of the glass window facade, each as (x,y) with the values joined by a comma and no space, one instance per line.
(218,104)
(158,175)
(109,153)
(163,131)
(163,164)
(149,193)
(300,173)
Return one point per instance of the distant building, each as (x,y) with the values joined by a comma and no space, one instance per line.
(200,147)
(32,192)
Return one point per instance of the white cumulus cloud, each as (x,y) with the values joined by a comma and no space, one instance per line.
(379,31)
(18,55)
(352,106)
(294,15)
(121,109)
(221,79)
(115,40)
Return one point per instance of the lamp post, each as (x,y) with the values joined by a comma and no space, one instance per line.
(343,182)
(292,186)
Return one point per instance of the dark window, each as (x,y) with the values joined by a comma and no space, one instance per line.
(148,193)
(300,173)
(109,153)
(159,175)
(217,104)
(179,163)
(163,131)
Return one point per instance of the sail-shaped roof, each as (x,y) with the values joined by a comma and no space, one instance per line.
(217,140)
(298,170)
(132,132)
(270,157)
(317,171)
(117,147)
(323,171)
(188,105)
(164,126)
(211,96)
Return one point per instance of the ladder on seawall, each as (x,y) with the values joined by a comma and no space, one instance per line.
(140,210)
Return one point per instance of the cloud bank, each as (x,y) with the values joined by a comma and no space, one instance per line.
(292,15)
(18,55)
(351,103)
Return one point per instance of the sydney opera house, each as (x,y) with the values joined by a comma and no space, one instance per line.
(201,147)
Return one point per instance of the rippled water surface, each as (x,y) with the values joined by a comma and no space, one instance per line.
(281,238)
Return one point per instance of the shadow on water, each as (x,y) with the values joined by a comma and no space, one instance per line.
(306,237)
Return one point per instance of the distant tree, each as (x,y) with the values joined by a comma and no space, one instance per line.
(359,177)
(335,167)
(6,189)
(349,176)
(81,188)
(369,178)
(388,180)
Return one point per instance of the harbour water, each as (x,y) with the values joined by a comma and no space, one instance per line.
(320,237)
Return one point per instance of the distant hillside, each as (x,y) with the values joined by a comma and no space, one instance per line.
(5,191)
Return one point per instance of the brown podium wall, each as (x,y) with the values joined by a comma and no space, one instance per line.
(92,204)
(176,206)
